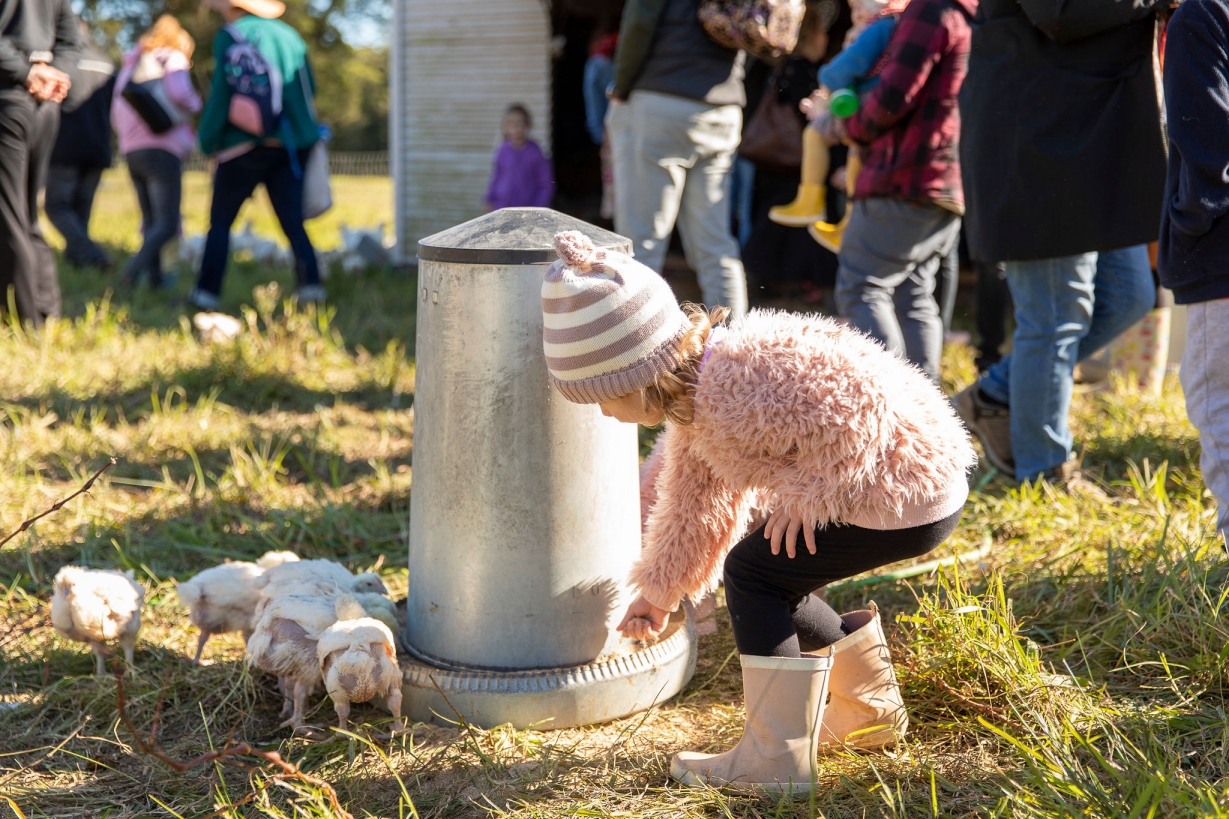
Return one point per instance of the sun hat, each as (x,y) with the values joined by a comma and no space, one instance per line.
(611,325)
(269,9)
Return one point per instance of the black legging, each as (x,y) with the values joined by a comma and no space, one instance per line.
(769,596)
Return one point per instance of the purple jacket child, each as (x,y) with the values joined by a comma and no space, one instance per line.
(522,177)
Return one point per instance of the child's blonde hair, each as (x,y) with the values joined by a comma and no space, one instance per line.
(166,32)
(673,393)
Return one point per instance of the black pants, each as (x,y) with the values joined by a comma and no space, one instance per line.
(769,596)
(993,308)
(157,176)
(233,183)
(27,264)
(68,202)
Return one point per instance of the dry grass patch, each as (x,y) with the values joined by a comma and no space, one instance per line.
(1075,668)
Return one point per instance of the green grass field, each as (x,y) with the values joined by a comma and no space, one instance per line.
(1079,668)
(359,201)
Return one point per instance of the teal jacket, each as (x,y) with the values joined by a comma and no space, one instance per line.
(285,50)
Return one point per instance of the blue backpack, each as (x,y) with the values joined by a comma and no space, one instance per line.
(256,88)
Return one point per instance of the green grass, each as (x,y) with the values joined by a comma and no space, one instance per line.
(1079,669)
(358,201)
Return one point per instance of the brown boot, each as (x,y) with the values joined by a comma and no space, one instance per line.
(785,703)
(864,708)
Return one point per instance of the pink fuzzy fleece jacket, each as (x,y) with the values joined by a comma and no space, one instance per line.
(812,415)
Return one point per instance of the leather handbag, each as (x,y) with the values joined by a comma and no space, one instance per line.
(763,28)
(773,137)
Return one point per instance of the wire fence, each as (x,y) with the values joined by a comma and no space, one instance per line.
(342,163)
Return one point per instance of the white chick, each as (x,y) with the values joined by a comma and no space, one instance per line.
(270,559)
(284,643)
(224,598)
(358,661)
(97,605)
(315,577)
(379,607)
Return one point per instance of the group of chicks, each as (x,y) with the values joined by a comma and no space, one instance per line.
(304,621)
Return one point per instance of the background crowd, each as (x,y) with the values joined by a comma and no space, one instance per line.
(1028,134)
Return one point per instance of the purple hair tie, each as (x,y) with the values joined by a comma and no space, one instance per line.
(714,338)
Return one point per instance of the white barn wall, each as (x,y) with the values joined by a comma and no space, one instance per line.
(458,65)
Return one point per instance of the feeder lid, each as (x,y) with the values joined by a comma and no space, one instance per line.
(512,236)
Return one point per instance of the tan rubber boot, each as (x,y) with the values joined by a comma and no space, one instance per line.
(784,698)
(812,199)
(827,234)
(864,708)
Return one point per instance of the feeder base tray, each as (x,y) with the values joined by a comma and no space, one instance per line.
(606,689)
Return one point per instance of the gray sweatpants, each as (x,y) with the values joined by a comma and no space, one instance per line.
(1205,380)
(672,158)
(885,285)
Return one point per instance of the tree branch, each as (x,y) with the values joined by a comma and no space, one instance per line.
(150,747)
(58,506)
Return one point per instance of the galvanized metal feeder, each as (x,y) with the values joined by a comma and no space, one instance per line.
(524,514)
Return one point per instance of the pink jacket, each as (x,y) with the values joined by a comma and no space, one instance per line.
(131,131)
(811,415)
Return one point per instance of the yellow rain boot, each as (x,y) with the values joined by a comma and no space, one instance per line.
(811,201)
(784,700)
(864,708)
(827,234)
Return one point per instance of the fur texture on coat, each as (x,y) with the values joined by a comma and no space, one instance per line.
(815,417)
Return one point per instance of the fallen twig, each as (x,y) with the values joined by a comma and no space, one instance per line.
(150,747)
(58,505)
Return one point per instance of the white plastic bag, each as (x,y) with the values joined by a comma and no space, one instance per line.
(317,190)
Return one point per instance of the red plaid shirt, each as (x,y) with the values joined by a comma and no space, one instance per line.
(909,124)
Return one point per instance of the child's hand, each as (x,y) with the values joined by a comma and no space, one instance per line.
(643,620)
(837,180)
(784,525)
(815,104)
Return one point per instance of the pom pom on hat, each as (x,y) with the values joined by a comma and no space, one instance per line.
(611,325)
(576,249)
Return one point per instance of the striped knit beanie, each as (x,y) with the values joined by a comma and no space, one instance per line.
(610,324)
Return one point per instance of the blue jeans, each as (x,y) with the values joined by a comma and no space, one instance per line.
(1066,309)
(233,182)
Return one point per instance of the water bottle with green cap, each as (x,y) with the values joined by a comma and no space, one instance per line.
(844,103)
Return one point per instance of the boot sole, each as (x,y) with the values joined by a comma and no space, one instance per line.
(822,241)
(795,221)
(692,779)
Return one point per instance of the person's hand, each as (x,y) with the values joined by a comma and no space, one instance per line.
(838,179)
(47,84)
(783,525)
(643,620)
(831,128)
(815,104)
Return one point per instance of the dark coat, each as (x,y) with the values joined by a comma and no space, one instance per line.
(1061,144)
(1194,254)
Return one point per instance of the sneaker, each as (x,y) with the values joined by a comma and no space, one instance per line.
(990,421)
(310,293)
(204,300)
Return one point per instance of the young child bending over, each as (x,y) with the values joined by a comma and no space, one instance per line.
(852,447)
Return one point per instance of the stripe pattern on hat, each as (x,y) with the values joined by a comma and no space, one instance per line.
(610,327)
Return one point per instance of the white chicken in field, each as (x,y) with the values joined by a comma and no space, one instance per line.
(95,606)
(224,598)
(358,661)
(379,607)
(315,577)
(284,643)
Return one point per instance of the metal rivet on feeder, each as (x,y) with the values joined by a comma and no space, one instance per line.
(524,515)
